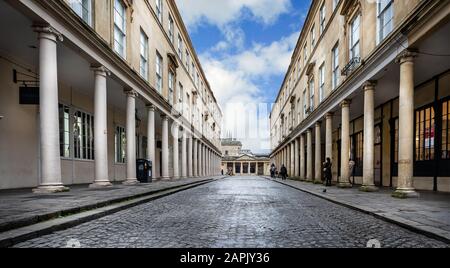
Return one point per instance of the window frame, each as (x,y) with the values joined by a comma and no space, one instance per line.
(159,9)
(84,149)
(335,67)
(144,47)
(417,134)
(120,151)
(311,88)
(159,72)
(322,18)
(171,29)
(65,131)
(74,5)
(321,82)
(171,83)
(180,47)
(381,35)
(352,43)
(120,29)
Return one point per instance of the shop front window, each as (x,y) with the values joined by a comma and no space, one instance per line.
(445,151)
(425,134)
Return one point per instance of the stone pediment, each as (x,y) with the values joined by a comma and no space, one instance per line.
(246,158)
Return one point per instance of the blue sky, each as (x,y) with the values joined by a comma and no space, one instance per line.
(245,47)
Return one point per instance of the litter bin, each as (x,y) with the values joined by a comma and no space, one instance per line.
(144,170)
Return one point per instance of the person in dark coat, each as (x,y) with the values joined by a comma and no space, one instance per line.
(283,172)
(327,171)
(272,171)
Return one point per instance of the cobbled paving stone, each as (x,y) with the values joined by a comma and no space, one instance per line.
(238,212)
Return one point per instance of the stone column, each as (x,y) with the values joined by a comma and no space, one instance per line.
(296,159)
(165,148)
(281,157)
(190,157)
(203,161)
(288,158)
(405,187)
(345,146)
(309,156)
(318,156)
(207,161)
(369,139)
(51,181)
(131,138)
(292,171)
(302,158)
(329,136)
(184,165)
(101,129)
(209,155)
(195,157)
(176,154)
(200,159)
(151,144)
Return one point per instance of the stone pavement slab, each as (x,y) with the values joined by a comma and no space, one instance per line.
(429,214)
(20,208)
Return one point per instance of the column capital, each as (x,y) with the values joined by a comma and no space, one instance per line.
(165,117)
(346,103)
(100,70)
(308,131)
(130,93)
(151,107)
(47,31)
(329,115)
(369,85)
(318,123)
(406,55)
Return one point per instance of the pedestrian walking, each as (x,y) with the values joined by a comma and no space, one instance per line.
(327,171)
(283,172)
(352,171)
(272,171)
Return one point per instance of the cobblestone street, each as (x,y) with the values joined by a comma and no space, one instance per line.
(244,212)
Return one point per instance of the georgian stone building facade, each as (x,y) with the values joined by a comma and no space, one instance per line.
(236,161)
(368,84)
(116,80)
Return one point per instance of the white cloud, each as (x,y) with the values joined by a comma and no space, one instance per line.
(237,74)
(222,12)
(236,82)
(267,60)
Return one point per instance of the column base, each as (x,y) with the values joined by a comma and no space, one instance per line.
(344,185)
(318,182)
(130,181)
(405,193)
(100,184)
(368,188)
(50,189)
(165,179)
